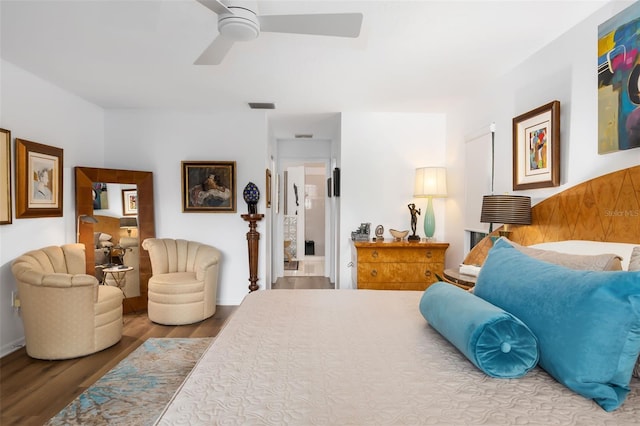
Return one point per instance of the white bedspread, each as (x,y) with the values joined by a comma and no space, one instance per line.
(359,357)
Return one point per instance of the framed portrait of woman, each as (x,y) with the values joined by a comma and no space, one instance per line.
(38,180)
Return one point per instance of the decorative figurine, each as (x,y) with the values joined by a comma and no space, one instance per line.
(251,196)
(414,222)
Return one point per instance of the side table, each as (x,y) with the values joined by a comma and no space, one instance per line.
(119,275)
(461,280)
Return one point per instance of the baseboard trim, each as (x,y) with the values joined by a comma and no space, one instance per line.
(12,347)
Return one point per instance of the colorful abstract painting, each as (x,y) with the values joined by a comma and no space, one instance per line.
(619,81)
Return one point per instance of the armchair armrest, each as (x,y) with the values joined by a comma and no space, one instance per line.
(69,280)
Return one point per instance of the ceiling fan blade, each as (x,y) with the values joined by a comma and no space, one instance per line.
(336,24)
(215,53)
(216,6)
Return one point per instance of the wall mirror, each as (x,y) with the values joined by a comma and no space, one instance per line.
(126,234)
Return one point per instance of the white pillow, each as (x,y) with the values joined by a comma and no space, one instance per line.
(105,237)
(634,262)
(591,248)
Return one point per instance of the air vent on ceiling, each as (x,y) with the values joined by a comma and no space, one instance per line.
(304,135)
(262,105)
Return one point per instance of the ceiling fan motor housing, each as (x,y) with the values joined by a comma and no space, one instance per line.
(242,25)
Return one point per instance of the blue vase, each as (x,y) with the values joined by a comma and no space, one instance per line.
(251,196)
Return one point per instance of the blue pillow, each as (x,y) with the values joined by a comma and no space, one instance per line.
(587,322)
(494,341)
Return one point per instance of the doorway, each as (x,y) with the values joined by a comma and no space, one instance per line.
(304,218)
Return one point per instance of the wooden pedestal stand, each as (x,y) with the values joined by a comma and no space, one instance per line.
(253,237)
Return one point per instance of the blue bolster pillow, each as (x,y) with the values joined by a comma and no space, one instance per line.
(493,340)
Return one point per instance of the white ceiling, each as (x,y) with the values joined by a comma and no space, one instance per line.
(411,56)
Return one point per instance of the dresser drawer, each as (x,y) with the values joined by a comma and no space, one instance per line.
(406,255)
(420,286)
(398,272)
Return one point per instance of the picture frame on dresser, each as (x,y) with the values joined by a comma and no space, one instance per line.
(38,180)
(536,148)
(5,177)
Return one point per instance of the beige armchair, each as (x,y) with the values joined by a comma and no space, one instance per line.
(66,314)
(184,281)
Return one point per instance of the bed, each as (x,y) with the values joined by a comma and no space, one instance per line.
(307,357)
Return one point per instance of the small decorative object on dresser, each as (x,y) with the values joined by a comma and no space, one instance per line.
(397,265)
(414,221)
(251,196)
(379,233)
(398,235)
(362,233)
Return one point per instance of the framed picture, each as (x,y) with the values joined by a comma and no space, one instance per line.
(100,196)
(268,180)
(277,193)
(536,148)
(618,81)
(5,177)
(209,186)
(39,180)
(129,202)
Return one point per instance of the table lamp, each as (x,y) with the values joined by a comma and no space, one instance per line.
(506,209)
(430,182)
(128,223)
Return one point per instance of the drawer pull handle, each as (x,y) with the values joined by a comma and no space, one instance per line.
(374,254)
(374,273)
(428,254)
(427,273)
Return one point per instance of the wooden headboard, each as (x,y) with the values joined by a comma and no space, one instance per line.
(606,208)
(111,225)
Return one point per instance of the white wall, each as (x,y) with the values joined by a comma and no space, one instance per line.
(35,110)
(566,71)
(379,155)
(158,141)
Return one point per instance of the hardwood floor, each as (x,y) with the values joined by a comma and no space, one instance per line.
(302,283)
(32,391)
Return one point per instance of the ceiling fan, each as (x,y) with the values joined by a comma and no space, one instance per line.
(238,21)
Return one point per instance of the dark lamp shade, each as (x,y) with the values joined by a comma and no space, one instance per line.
(128,222)
(506,209)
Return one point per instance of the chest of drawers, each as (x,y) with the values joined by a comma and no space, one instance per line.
(396,265)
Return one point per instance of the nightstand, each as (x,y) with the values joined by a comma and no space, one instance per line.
(461,280)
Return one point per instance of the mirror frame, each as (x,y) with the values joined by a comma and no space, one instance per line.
(85,176)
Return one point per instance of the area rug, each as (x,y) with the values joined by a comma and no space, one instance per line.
(291,266)
(136,390)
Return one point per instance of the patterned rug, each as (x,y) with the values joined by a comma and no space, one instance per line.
(136,390)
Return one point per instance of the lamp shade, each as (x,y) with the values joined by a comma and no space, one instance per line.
(506,209)
(430,182)
(128,222)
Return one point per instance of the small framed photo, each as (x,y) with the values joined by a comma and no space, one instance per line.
(39,180)
(209,186)
(5,177)
(268,186)
(129,202)
(536,148)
